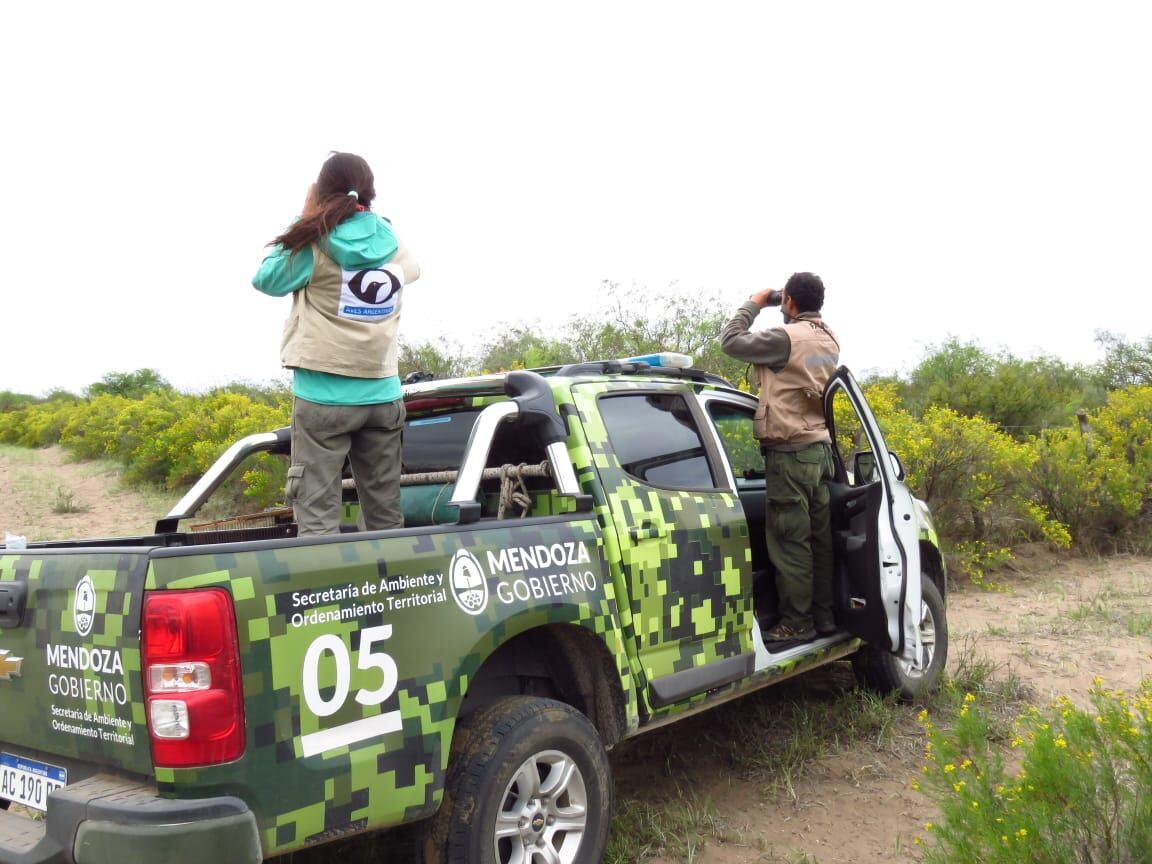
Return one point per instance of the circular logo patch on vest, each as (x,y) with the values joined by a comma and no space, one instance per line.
(371,295)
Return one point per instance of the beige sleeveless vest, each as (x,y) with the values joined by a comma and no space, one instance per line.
(791,410)
(345,322)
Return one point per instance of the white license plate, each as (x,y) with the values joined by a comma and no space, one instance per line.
(28,782)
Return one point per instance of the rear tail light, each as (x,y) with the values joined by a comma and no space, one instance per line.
(192,678)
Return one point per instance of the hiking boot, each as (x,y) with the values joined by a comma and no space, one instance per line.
(826,626)
(783,632)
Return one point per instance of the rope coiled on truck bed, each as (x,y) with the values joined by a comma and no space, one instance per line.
(513,490)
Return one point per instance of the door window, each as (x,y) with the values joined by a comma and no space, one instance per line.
(734,428)
(852,442)
(656,439)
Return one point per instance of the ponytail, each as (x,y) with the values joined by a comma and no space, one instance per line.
(345,184)
(318,221)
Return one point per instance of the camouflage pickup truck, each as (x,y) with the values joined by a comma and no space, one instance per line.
(583,560)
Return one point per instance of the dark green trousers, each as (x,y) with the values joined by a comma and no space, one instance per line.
(322,435)
(799,532)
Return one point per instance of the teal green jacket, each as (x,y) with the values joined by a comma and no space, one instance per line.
(365,240)
(362,241)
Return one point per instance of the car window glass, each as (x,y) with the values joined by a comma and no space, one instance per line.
(437,443)
(734,427)
(655,437)
(852,442)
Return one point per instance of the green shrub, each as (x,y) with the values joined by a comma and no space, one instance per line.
(1099,483)
(1074,787)
(988,491)
(1125,363)
(134,438)
(86,432)
(36,425)
(1020,396)
(975,478)
(133,385)
(1124,424)
(264,479)
(10,401)
(1091,490)
(162,438)
(65,502)
(207,427)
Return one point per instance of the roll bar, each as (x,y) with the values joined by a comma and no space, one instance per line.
(530,403)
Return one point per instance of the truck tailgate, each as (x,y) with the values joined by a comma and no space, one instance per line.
(71,698)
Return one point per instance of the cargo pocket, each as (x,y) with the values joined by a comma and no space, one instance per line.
(292,484)
(810,465)
(787,518)
(760,422)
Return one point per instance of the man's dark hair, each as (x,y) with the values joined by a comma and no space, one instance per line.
(806,291)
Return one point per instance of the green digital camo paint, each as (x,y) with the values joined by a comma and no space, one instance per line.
(683,556)
(357,654)
(79,693)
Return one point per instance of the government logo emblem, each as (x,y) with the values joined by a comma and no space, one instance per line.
(84,606)
(469,587)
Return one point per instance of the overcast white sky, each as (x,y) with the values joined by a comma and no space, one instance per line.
(978,170)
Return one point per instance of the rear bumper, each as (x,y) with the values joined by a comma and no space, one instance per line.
(106,820)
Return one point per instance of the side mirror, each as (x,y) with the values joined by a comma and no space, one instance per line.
(864,468)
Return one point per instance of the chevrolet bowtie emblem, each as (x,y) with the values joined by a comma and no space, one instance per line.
(9,665)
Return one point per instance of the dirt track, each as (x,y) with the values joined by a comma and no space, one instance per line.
(1058,623)
(34,482)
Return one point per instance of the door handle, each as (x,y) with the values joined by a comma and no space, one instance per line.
(647,530)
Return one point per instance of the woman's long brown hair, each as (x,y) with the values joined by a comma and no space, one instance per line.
(331,204)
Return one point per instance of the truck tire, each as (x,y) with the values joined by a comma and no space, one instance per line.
(883,671)
(525,774)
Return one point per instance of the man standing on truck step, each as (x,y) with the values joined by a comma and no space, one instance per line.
(346,271)
(792,364)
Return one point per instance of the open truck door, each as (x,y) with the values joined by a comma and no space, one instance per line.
(874,527)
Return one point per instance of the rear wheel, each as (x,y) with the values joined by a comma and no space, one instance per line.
(885,672)
(528,781)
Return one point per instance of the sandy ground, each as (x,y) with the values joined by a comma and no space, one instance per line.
(1058,622)
(34,484)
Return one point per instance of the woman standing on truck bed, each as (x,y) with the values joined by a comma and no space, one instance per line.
(346,271)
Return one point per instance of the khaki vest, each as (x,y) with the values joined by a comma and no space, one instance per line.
(791,411)
(345,322)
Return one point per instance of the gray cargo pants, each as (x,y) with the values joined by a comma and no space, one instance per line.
(322,435)
(799,532)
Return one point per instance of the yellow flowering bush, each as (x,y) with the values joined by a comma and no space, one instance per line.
(975,477)
(163,437)
(87,430)
(988,491)
(36,425)
(1099,483)
(1075,787)
(1125,425)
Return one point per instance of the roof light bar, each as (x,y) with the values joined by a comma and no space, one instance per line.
(667,359)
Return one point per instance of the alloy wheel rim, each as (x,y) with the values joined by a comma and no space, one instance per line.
(543,812)
(919,667)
